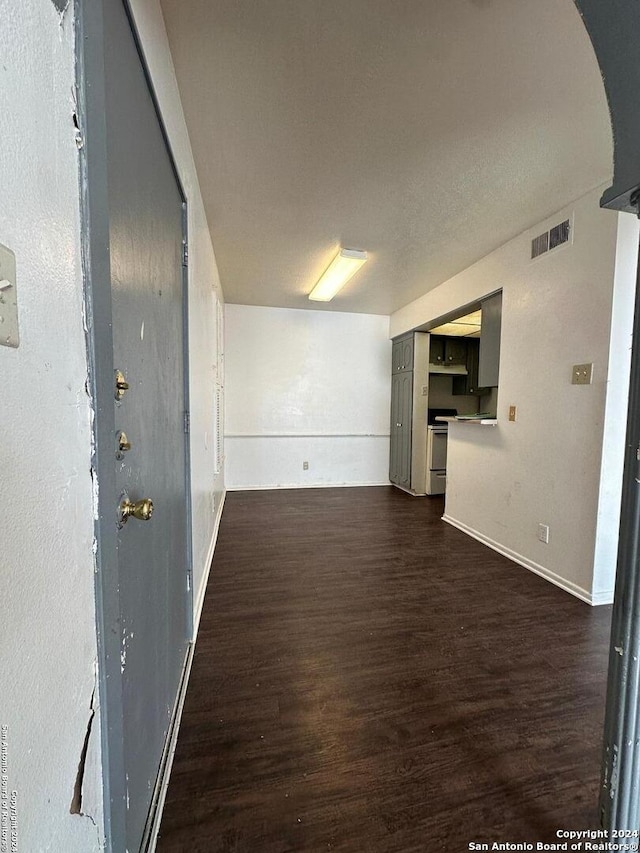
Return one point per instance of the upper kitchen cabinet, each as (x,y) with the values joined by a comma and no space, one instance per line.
(489,356)
(455,351)
(402,354)
(436,350)
(468,385)
(448,351)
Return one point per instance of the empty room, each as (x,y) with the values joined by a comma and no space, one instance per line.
(321,387)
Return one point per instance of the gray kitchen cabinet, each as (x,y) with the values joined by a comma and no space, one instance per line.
(436,350)
(401,417)
(468,385)
(489,355)
(402,354)
(408,433)
(447,351)
(455,351)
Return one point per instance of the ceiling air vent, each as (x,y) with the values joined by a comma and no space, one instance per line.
(559,234)
(540,245)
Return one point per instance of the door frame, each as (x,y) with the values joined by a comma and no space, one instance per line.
(94,213)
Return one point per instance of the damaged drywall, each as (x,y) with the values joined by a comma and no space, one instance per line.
(61,5)
(76,801)
(87,790)
(86,801)
(49,647)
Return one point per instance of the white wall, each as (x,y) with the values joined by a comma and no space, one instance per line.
(204,289)
(616,407)
(546,467)
(47,611)
(306,386)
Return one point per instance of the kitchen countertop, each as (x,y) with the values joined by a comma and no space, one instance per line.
(467,420)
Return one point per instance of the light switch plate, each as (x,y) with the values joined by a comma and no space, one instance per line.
(582,374)
(543,533)
(512,413)
(9,336)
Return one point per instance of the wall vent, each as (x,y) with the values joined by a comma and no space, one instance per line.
(559,234)
(540,245)
(551,239)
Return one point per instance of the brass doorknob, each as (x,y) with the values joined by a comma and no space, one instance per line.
(121,385)
(124,445)
(142,510)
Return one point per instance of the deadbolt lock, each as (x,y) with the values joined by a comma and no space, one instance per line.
(142,510)
(121,385)
(124,445)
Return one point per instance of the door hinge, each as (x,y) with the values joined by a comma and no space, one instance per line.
(187,422)
(185,255)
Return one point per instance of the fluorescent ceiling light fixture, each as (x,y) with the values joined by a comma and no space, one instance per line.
(345,264)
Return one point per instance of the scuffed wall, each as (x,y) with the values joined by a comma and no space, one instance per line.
(47,610)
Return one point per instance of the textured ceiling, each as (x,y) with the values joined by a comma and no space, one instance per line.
(427,132)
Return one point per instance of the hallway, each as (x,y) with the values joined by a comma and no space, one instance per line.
(368,678)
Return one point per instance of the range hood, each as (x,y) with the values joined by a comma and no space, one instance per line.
(450,369)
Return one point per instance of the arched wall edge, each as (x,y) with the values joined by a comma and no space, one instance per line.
(614,30)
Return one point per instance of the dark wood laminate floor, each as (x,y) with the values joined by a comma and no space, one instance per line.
(369,679)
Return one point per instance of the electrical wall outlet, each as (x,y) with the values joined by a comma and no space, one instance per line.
(543,533)
(305,466)
(425,390)
(582,374)
(512,413)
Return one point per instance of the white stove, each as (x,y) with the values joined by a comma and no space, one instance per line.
(437,452)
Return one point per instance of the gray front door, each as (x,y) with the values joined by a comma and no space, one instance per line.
(143,564)
(146,243)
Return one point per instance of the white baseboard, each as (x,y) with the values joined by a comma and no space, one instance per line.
(304,486)
(199,603)
(536,568)
(162,783)
(170,749)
